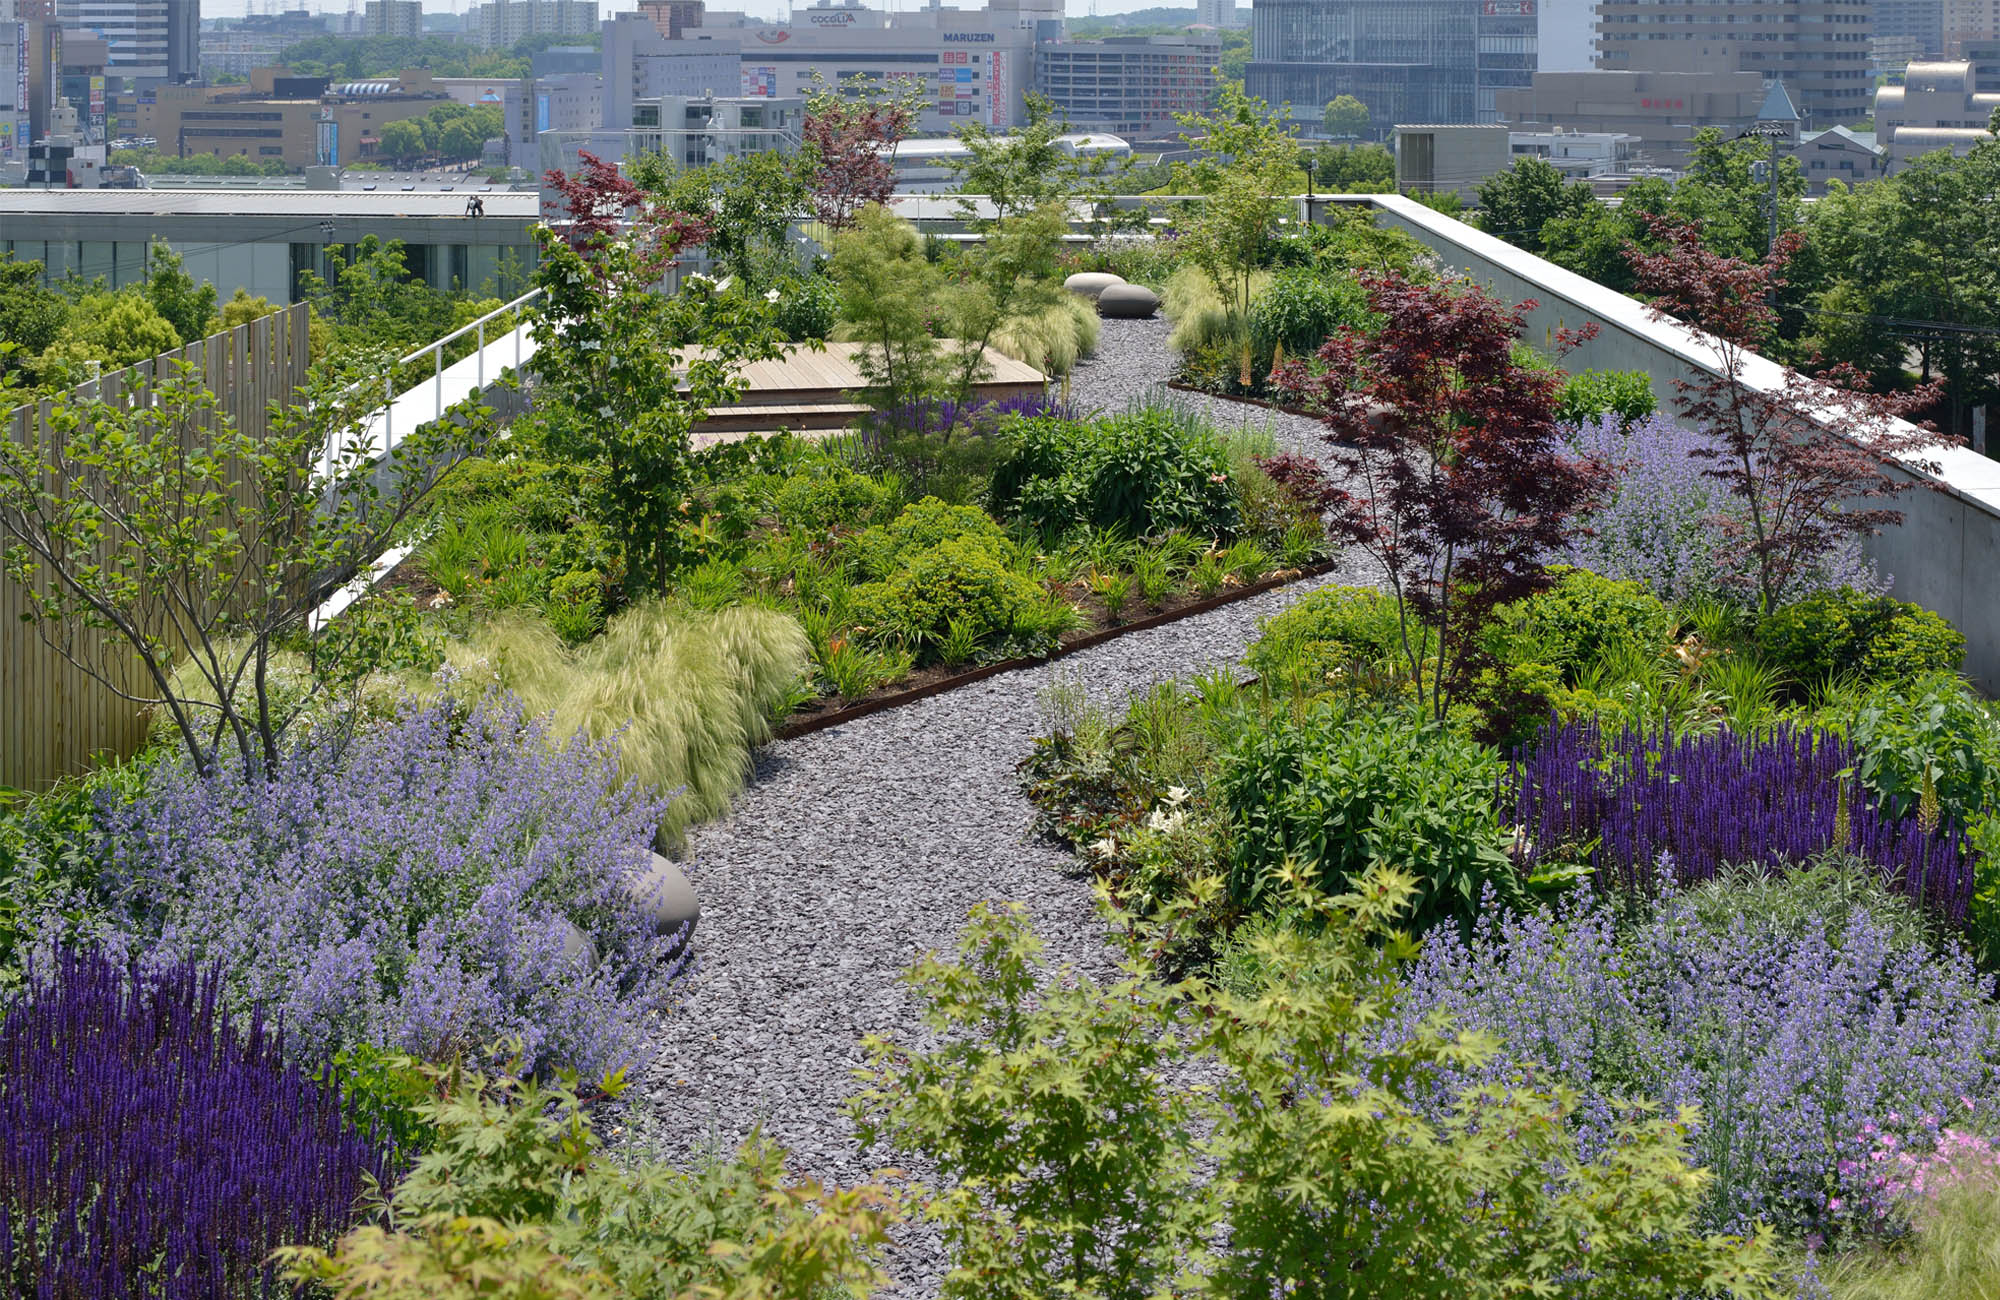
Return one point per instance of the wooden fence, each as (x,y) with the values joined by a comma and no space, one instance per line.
(54,717)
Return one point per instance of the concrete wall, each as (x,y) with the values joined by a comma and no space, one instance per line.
(1945,556)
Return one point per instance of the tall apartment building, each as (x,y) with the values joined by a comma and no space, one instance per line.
(1968,20)
(497,24)
(1920,21)
(1819,48)
(393,18)
(672,17)
(149,40)
(1408,60)
(1215,13)
(1128,85)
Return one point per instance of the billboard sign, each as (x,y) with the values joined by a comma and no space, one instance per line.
(541,111)
(55,68)
(760,81)
(21,68)
(97,107)
(329,142)
(997,89)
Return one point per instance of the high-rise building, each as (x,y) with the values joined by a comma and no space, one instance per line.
(1818,48)
(1128,85)
(1968,20)
(1408,60)
(672,17)
(497,24)
(1215,13)
(393,18)
(149,40)
(1921,21)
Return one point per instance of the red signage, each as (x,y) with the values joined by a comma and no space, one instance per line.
(1663,103)
(1507,8)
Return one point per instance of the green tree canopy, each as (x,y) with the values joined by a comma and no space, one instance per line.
(1517,203)
(1345,116)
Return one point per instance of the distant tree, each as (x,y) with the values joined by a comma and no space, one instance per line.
(751,202)
(400,140)
(187,306)
(1463,491)
(112,330)
(1345,117)
(1353,169)
(241,309)
(850,139)
(1022,168)
(1235,59)
(1246,167)
(369,295)
(1517,203)
(31,316)
(1802,485)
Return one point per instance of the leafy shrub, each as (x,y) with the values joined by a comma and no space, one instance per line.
(576,606)
(1143,473)
(1581,619)
(687,693)
(1927,738)
(1084,1163)
(806,307)
(882,550)
(1636,806)
(421,885)
(1625,396)
(1303,309)
(152,1146)
(1333,635)
(819,502)
(1334,791)
(962,580)
(1836,633)
(1796,1013)
(518,1198)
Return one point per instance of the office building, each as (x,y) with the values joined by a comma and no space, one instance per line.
(393,18)
(1128,85)
(1215,13)
(1442,61)
(671,18)
(1661,110)
(1941,105)
(1920,22)
(1838,154)
(1818,48)
(498,24)
(532,105)
(640,64)
(299,121)
(16,55)
(149,40)
(1450,158)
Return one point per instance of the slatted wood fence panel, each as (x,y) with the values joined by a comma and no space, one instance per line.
(53,716)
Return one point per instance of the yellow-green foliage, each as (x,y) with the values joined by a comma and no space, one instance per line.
(692,690)
(1201,318)
(1954,1254)
(1053,339)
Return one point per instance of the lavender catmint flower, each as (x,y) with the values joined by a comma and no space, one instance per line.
(419,887)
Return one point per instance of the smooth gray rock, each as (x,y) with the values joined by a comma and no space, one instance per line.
(1128,302)
(1089,284)
(666,897)
(577,946)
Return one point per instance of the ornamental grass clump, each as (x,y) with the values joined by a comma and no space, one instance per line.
(1624,804)
(1804,1016)
(152,1146)
(436,883)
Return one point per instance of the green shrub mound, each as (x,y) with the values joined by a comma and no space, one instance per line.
(1335,790)
(1584,620)
(1592,395)
(1850,633)
(882,550)
(1333,634)
(1141,474)
(823,501)
(962,581)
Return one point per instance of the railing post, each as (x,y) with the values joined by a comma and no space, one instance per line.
(389,414)
(482,355)
(437,353)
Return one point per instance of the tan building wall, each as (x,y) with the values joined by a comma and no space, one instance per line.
(1819,48)
(1969,20)
(1663,109)
(1938,106)
(227,121)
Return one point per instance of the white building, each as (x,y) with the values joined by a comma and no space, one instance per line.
(931,165)
(394,18)
(1577,154)
(156,40)
(640,65)
(14,57)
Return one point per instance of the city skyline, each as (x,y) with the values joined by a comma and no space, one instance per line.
(765,8)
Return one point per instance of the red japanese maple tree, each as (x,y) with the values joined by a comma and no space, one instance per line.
(849,144)
(1457,478)
(593,205)
(1808,459)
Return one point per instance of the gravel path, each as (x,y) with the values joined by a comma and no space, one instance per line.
(856,849)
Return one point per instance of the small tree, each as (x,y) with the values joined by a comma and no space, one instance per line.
(189,307)
(1457,480)
(1345,118)
(1248,165)
(850,142)
(750,201)
(1021,170)
(171,554)
(1802,486)
(626,369)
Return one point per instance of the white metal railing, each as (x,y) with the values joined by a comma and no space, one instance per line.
(428,400)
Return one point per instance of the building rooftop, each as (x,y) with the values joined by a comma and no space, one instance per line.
(389,201)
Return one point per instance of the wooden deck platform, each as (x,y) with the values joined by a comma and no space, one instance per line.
(811,390)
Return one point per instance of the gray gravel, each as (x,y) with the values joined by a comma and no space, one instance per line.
(856,849)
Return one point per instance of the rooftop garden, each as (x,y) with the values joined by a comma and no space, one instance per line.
(1534,850)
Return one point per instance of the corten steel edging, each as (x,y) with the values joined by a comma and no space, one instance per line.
(820,722)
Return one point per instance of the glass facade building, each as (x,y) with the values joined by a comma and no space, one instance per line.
(1437,61)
